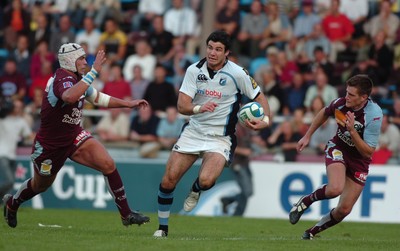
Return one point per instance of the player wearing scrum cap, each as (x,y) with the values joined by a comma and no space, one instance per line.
(61,135)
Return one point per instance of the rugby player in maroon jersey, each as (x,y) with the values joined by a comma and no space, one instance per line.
(61,135)
(348,153)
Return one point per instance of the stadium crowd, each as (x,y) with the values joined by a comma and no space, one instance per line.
(300,52)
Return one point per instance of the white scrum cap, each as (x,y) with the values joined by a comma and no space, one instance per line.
(68,54)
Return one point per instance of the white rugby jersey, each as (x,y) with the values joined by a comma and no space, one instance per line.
(225,88)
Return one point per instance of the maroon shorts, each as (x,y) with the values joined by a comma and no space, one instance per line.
(48,161)
(356,167)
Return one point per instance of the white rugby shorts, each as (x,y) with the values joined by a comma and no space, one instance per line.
(193,142)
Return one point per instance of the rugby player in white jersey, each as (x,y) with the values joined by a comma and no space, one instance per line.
(211,94)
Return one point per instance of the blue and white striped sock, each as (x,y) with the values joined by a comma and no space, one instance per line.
(165,199)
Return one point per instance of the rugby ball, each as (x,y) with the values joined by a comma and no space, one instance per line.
(340,118)
(251,111)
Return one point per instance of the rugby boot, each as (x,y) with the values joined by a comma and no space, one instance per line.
(191,201)
(135,218)
(9,215)
(307,236)
(160,234)
(297,211)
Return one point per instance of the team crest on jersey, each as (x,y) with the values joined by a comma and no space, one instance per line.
(253,83)
(68,84)
(222,81)
(202,78)
(358,126)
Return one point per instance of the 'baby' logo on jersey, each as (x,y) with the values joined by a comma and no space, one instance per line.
(210,93)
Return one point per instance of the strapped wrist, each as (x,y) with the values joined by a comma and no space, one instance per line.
(90,76)
(196,109)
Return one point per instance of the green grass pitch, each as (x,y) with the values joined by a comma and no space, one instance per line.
(102,230)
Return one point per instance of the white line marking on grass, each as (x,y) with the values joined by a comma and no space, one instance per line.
(53,226)
(42,225)
(274,238)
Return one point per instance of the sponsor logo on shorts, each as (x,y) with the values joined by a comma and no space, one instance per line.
(45,167)
(361,176)
(82,136)
(226,152)
(176,147)
(337,154)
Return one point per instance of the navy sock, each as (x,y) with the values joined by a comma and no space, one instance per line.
(197,188)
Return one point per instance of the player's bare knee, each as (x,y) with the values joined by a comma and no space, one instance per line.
(206,184)
(342,211)
(108,165)
(333,191)
(168,182)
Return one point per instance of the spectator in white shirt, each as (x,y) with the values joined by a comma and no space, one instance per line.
(143,58)
(89,35)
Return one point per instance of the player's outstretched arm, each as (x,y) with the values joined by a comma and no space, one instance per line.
(120,103)
(319,119)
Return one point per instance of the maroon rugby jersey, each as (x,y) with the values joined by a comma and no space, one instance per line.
(368,121)
(60,122)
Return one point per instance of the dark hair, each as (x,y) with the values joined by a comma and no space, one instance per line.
(11,59)
(220,36)
(6,106)
(318,48)
(362,82)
